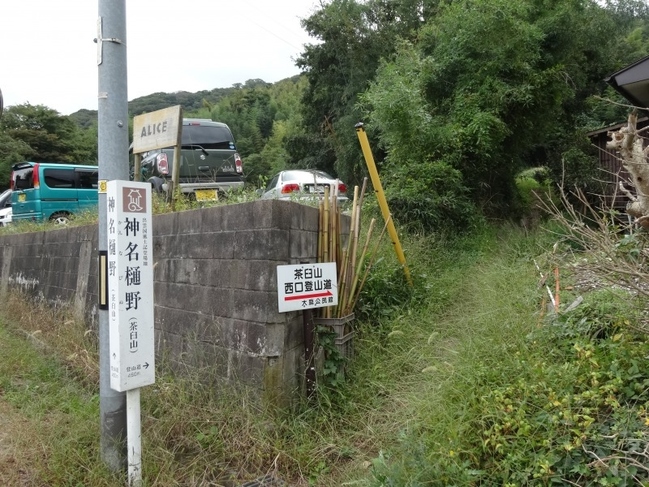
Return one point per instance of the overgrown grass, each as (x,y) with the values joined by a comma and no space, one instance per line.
(522,397)
(56,434)
(479,300)
(565,404)
(409,342)
(455,381)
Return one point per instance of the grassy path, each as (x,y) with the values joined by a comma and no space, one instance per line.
(414,370)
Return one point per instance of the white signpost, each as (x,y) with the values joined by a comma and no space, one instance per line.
(130,303)
(306,286)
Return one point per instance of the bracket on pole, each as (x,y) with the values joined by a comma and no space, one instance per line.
(99,40)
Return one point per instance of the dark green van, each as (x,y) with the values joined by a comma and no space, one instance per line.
(52,191)
(209,161)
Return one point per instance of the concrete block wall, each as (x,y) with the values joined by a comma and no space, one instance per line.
(215,287)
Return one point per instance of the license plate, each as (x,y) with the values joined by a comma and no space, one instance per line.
(206,195)
(22,197)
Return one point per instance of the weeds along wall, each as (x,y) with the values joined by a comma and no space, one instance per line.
(215,287)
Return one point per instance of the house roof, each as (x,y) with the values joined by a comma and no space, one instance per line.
(632,82)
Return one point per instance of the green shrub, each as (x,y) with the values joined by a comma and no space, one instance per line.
(430,196)
(572,410)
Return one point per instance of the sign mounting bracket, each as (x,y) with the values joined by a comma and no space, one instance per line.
(99,40)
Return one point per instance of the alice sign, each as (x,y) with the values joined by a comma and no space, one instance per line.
(157,130)
(130,285)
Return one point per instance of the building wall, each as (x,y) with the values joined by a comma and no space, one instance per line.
(215,287)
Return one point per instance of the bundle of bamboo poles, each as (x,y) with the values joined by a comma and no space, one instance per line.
(349,262)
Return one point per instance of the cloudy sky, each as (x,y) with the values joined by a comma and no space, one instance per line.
(47,54)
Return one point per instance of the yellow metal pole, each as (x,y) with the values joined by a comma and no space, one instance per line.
(380,196)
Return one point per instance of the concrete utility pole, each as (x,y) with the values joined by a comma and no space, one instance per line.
(113,164)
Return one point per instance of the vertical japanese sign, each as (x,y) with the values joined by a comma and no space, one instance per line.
(130,285)
(306,286)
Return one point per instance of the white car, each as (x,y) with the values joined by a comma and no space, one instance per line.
(5,208)
(303,185)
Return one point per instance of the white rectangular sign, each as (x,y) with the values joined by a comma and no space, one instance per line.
(305,286)
(130,285)
(157,130)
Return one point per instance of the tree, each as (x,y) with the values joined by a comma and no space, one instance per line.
(262,117)
(50,136)
(491,87)
(12,151)
(354,36)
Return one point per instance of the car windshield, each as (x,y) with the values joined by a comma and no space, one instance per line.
(304,175)
(5,197)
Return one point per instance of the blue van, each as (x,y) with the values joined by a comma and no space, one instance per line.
(52,191)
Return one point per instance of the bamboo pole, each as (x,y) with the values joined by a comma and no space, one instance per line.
(325,226)
(360,203)
(333,241)
(342,273)
(344,281)
(357,225)
(339,238)
(371,263)
(331,237)
(331,248)
(321,241)
(352,291)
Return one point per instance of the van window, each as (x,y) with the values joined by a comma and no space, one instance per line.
(24,178)
(88,179)
(59,178)
(208,137)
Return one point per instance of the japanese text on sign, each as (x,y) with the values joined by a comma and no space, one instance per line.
(306,286)
(130,283)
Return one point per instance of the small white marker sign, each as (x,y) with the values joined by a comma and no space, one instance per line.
(130,285)
(306,286)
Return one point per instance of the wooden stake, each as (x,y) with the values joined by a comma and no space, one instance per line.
(556,289)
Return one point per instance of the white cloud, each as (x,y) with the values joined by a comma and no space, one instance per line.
(48,57)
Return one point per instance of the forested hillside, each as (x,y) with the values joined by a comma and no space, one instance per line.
(457,98)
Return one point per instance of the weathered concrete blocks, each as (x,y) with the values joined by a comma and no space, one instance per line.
(215,287)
